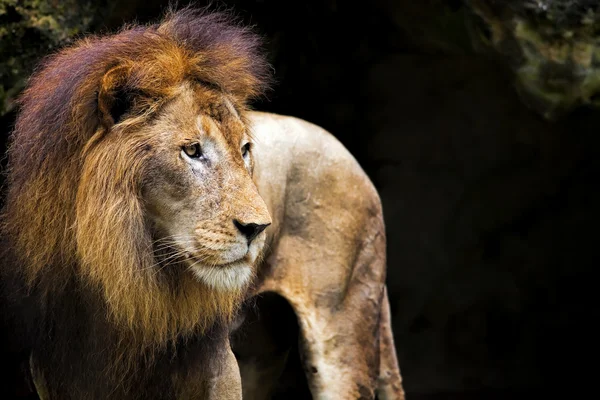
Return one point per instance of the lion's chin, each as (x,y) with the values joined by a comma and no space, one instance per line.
(230,277)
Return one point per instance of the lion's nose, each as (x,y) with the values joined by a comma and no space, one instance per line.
(250,230)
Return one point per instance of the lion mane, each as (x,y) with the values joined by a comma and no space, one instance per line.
(73,218)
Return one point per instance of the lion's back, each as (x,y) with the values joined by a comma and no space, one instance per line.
(315,189)
(297,155)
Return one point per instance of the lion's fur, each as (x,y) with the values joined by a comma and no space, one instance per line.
(73,214)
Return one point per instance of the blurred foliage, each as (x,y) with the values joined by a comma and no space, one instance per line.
(30,29)
(552,47)
(562,14)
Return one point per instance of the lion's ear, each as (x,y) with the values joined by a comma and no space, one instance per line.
(114,99)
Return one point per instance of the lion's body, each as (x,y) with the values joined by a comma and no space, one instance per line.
(128,251)
(327,259)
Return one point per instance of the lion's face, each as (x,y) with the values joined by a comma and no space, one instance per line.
(201,202)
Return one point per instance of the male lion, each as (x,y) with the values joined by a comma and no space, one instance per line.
(134,229)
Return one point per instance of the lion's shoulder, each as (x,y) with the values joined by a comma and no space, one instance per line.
(303,170)
(301,142)
(292,130)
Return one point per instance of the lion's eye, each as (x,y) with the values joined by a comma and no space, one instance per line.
(245,150)
(192,150)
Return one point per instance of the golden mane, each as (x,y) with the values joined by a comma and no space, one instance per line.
(73,209)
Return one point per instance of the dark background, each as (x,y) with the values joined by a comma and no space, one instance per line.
(491,212)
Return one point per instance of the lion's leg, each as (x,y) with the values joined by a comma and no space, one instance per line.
(337,369)
(228,384)
(339,363)
(338,314)
(223,381)
(390,379)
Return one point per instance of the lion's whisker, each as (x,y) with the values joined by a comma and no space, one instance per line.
(168,238)
(166,259)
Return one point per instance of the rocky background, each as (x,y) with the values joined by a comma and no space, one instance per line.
(491,209)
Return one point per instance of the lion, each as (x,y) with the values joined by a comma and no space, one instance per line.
(152,220)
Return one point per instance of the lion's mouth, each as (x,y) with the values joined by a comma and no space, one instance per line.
(225,276)
(200,262)
(232,264)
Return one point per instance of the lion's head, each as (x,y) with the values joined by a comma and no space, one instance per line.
(130,172)
(198,194)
